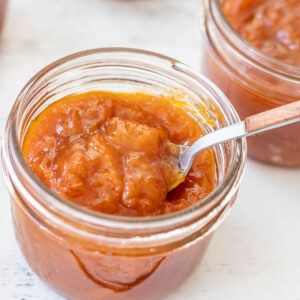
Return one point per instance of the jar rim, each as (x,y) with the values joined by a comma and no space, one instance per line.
(11,150)
(254,54)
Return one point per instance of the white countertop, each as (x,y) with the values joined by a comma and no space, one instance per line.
(255,254)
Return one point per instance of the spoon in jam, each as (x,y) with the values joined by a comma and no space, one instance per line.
(252,125)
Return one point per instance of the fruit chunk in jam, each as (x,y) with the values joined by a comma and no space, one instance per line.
(110,152)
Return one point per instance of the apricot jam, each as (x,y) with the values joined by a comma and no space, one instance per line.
(273,26)
(110,152)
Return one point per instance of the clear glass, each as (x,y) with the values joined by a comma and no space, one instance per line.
(88,255)
(253,81)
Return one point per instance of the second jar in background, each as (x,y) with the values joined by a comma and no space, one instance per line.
(254,82)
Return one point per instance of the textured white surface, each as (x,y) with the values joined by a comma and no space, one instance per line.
(255,253)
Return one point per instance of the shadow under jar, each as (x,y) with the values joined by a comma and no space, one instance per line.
(84,254)
(253,81)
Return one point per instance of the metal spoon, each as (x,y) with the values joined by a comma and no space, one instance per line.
(256,124)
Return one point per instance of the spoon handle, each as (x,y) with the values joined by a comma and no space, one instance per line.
(274,118)
(268,120)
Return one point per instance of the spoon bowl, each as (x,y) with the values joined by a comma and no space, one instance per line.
(252,125)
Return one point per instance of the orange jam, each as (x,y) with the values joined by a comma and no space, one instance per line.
(273,26)
(111,152)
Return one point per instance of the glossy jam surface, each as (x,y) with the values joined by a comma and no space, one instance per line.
(273,26)
(110,152)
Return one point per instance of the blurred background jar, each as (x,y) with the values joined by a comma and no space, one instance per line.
(3,4)
(253,81)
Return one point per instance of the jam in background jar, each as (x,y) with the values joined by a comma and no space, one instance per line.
(256,68)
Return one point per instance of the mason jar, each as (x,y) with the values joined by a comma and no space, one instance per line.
(87,255)
(253,81)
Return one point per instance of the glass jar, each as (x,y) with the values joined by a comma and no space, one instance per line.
(3,4)
(83,254)
(253,81)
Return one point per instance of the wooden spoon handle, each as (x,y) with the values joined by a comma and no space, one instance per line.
(252,125)
(276,117)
